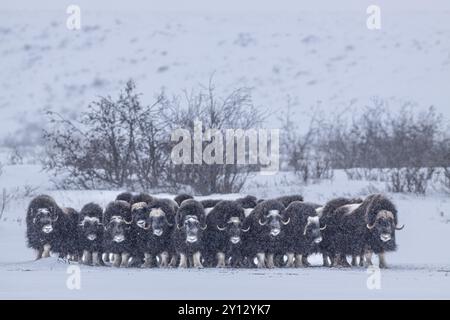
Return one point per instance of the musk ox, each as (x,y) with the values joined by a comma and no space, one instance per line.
(303,233)
(141,197)
(190,224)
(51,228)
(90,233)
(248,203)
(361,228)
(153,226)
(369,228)
(266,236)
(330,246)
(209,204)
(223,237)
(117,238)
(286,200)
(125,196)
(181,197)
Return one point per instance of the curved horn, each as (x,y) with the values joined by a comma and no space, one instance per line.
(245,230)
(288,220)
(399,228)
(55,219)
(370,227)
(204,226)
(167,221)
(147,228)
(128,222)
(261,223)
(221,228)
(323,228)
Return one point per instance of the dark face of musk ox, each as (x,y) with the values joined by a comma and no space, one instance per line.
(384,228)
(45,219)
(118,229)
(151,219)
(90,225)
(312,231)
(191,221)
(273,221)
(91,228)
(234,229)
(140,214)
(158,221)
(192,227)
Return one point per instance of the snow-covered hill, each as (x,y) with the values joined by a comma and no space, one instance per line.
(326,58)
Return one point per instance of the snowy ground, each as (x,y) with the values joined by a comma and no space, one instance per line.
(419,269)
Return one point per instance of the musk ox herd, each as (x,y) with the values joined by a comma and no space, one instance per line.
(139,230)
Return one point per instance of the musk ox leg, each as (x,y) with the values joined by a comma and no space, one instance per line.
(290,260)
(116,260)
(305,261)
(148,260)
(95,259)
(354,260)
(298,261)
(124,262)
(270,262)
(326,263)
(332,259)
(382,260)
(220,260)
(261,257)
(46,251)
(173,261)
(341,261)
(39,253)
(105,258)
(86,258)
(361,260)
(183,261)
(197,260)
(368,258)
(164,260)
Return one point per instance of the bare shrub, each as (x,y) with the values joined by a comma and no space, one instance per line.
(404,143)
(302,152)
(411,180)
(113,145)
(231,111)
(5,199)
(15,157)
(121,143)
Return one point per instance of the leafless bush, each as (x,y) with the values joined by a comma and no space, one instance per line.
(4,201)
(120,143)
(15,157)
(411,180)
(301,150)
(113,145)
(29,191)
(445,180)
(403,142)
(232,111)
